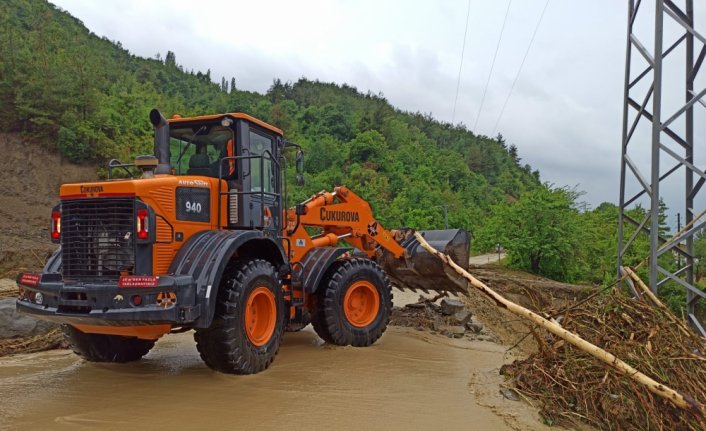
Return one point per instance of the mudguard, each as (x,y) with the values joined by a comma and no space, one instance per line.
(205,256)
(53,264)
(315,264)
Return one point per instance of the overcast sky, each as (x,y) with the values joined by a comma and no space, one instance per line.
(564,114)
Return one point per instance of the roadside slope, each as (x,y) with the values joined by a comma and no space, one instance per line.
(29,188)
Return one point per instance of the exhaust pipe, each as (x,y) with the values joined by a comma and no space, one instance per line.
(161,142)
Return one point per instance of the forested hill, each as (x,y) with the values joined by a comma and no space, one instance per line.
(91,98)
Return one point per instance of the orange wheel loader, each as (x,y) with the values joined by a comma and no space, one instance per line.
(197,237)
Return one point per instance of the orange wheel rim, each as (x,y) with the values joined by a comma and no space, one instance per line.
(260,316)
(361,304)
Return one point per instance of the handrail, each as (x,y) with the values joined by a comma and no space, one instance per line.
(119,164)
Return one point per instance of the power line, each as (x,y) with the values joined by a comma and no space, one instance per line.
(492,66)
(460,66)
(519,70)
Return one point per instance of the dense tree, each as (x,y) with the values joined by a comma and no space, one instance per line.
(540,231)
(170,59)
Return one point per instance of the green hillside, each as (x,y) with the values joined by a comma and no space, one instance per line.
(89,98)
(92,97)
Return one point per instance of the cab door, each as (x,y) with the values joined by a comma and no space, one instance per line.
(260,179)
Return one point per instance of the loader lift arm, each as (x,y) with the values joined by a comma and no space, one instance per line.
(340,214)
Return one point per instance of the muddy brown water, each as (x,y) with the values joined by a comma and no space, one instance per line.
(408,380)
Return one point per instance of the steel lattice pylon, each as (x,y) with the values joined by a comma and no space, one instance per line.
(671,140)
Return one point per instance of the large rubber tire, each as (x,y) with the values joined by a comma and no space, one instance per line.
(106,348)
(226,346)
(330,319)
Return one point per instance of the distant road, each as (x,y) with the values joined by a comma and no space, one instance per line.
(485,258)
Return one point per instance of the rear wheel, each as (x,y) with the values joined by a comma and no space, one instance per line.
(247,328)
(354,303)
(106,348)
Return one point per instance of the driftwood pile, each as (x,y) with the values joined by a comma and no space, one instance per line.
(617,362)
(53,339)
(571,385)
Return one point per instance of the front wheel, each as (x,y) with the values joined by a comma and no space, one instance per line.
(106,348)
(353,303)
(247,328)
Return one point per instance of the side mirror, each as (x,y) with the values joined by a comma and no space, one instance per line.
(300,168)
(300,162)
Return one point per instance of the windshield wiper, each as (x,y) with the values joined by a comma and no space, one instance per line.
(188,142)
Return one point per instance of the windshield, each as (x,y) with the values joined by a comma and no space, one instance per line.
(196,150)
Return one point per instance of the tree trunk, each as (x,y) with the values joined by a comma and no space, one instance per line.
(534,263)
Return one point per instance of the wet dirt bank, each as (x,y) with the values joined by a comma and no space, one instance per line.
(32,174)
(408,380)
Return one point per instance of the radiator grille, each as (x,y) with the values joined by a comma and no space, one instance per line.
(97,241)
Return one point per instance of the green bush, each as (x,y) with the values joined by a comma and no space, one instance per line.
(72,146)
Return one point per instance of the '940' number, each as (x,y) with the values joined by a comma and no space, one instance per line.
(193,207)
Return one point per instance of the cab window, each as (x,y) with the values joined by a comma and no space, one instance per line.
(261,145)
(198,150)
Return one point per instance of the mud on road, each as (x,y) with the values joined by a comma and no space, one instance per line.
(408,380)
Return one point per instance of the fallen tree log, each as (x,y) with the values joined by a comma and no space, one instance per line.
(679,400)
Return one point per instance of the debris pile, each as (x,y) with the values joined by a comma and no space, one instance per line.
(450,318)
(53,339)
(571,385)
(21,333)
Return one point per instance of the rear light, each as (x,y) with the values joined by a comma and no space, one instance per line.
(30,279)
(21,293)
(55,225)
(143,230)
(128,281)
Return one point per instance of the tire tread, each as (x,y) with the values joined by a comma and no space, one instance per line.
(329,320)
(106,348)
(224,345)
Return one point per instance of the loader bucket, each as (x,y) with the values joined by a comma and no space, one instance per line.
(420,270)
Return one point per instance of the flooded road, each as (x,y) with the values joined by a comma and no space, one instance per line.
(409,380)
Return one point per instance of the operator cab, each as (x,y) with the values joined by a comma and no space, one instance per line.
(242,151)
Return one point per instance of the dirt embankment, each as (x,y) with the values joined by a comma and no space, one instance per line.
(29,188)
(531,291)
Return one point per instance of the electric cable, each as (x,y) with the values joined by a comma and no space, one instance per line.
(492,66)
(519,70)
(460,67)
